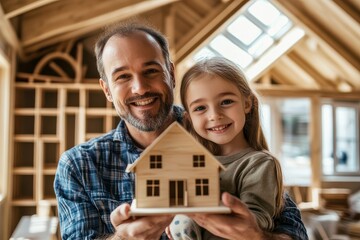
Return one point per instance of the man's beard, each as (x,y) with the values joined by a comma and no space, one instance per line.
(149,122)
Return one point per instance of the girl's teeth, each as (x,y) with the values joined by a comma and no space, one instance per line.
(219,128)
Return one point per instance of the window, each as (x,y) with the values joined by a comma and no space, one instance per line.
(285,122)
(202,187)
(155,161)
(198,161)
(255,30)
(340,138)
(153,188)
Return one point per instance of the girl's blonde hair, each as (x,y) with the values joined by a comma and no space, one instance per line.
(229,71)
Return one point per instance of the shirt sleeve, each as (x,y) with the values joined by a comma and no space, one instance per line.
(289,221)
(79,218)
(258,190)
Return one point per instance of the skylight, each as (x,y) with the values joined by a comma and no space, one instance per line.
(250,36)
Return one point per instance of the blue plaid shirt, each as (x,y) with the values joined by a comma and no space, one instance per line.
(91,181)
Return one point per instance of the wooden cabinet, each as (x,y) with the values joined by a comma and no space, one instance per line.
(50,117)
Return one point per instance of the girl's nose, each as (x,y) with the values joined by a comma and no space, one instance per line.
(215,115)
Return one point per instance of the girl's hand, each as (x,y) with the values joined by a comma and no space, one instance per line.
(240,224)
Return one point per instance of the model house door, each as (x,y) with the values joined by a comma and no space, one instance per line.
(178,196)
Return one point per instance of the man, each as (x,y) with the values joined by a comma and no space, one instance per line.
(91,185)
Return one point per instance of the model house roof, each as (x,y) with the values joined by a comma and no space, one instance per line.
(176,129)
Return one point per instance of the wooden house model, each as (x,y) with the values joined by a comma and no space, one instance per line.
(176,174)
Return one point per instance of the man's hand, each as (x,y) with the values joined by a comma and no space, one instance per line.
(128,227)
(240,224)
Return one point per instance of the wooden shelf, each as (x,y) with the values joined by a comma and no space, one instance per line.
(24,124)
(51,115)
(23,154)
(17,211)
(24,171)
(23,186)
(49,119)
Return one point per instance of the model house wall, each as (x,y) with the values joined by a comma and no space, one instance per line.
(176,171)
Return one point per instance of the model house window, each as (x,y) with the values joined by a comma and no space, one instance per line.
(153,188)
(198,161)
(202,187)
(155,161)
(340,138)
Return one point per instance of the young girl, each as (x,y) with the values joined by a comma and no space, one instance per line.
(222,112)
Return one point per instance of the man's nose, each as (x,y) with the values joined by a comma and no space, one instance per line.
(140,85)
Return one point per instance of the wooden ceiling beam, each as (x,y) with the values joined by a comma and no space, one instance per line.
(278,76)
(19,8)
(282,47)
(351,7)
(290,91)
(348,71)
(296,73)
(298,12)
(9,33)
(205,28)
(331,66)
(202,5)
(316,76)
(187,14)
(78,27)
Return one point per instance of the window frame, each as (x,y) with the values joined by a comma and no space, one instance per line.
(155,161)
(201,187)
(152,188)
(341,175)
(199,161)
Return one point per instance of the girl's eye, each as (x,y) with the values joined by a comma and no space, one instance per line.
(199,108)
(227,102)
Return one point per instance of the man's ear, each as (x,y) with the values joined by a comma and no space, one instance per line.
(248,104)
(106,90)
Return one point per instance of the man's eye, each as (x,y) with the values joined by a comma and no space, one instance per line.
(151,72)
(123,77)
(227,102)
